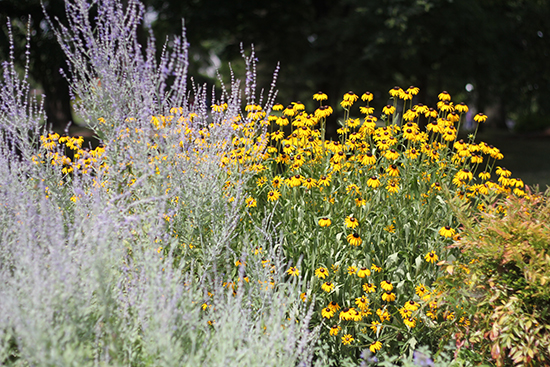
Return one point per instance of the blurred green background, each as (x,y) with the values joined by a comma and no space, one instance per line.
(491,54)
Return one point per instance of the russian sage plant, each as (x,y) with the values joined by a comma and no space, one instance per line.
(128,254)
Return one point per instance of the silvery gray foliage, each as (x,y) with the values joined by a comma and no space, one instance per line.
(95,268)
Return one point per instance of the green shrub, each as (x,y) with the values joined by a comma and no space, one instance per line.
(501,297)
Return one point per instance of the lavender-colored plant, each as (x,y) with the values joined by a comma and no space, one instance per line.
(126,255)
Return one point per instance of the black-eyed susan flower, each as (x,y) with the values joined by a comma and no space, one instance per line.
(334,306)
(335,329)
(391,155)
(395,91)
(421,290)
(324,181)
(345,314)
(376,268)
(320,96)
(388,110)
(324,222)
(366,110)
(393,170)
(362,302)
(273,195)
(277,107)
(293,271)
(462,107)
(413,90)
(392,187)
(327,286)
(321,272)
(327,312)
(480,117)
(350,98)
(363,272)
(386,285)
(368,159)
(367,96)
(376,346)
(351,222)
(464,175)
(250,202)
(373,182)
(410,322)
(352,269)
(444,96)
(411,305)
(388,296)
(323,112)
(447,232)
(375,326)
(309,182)
(405,313)
(369,287)
(347,339)
(383,314)
(501,171)
(354,239)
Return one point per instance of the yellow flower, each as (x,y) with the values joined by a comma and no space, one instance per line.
(294,271)
(367,96)
(384,315)
(388,110)
(320,96)
(373,182)
(277,107)
(352,269)
(388,296)
(391,155)
(273,195)
(431,257)
(386,285)
(395,91)
(447,232)
(347,339)
(369,288)
(376,346)
(444,96)
(250,202)
(362,302)
(375,326)
(335,329)
(363,272)
(327,286)
(321,273)
(351,222)
(392,187)
(480,117)
(354,239)
(324,222)
(484,175)
(366,110)
(309,183)
(350,97)
(327,312)
(421,290)
(462,107)
(324,181)
(376,268)
(412,305)
(410,322)
(393,170)
(334,306)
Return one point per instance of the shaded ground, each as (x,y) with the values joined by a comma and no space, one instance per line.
(527,156)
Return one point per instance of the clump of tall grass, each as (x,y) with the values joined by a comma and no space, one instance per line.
(125,254)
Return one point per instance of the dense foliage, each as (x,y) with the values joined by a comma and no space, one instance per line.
(223,228)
